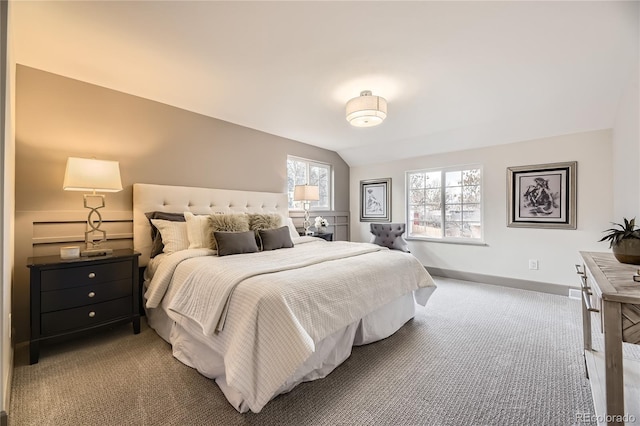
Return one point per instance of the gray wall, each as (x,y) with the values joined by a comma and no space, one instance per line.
(57,117)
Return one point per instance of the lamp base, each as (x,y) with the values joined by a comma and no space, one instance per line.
(96,252)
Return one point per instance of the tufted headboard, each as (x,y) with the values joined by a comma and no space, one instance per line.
(179,199)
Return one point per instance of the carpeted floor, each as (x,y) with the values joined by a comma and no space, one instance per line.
(477,355)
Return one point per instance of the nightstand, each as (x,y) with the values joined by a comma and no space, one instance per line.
(70,296)
(326,236)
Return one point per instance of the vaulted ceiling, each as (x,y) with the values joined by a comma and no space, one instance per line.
(456,75)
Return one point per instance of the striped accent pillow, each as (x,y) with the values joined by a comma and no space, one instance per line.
(174,235)
(198,230)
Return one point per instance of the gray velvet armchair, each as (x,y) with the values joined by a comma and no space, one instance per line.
(389,235)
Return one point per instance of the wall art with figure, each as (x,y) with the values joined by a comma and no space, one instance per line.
(375,200)
(542,196)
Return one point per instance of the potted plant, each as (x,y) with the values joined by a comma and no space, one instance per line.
(624,241)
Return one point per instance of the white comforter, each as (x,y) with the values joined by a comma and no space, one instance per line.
(265,311)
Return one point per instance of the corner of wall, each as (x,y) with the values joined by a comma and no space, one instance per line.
(7,197)
(626,152)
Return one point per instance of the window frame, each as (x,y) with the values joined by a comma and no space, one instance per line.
(310,163)
(443,171)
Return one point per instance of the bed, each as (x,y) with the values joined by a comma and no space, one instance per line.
(260,323)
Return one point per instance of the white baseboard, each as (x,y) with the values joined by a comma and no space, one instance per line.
(559,289)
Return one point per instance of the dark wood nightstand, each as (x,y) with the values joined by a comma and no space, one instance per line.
(326,236)
(73,295)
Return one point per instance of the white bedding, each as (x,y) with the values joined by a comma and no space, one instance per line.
(239,357)
(279,304)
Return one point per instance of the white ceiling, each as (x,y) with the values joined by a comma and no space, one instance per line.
(456,75)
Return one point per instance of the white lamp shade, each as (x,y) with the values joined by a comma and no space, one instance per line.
(366,110)
(87,174)
(306,193)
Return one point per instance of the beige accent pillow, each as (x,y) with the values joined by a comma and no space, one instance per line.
(174,235)
(198,230)
(227,223)
(259,221)
(293,232)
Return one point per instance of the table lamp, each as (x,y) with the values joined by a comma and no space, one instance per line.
(306,194)
(87,174)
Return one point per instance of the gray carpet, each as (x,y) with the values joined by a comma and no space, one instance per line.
(478,355)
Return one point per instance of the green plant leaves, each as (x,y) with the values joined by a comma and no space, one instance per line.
(628,230)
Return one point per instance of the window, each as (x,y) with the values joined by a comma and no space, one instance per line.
(445,204)
(302,172)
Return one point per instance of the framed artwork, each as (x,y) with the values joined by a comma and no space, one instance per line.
(375,200)
(542,196)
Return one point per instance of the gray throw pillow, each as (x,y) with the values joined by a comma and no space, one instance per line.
(273,239)
(156,246)
(235,242)
(227,223)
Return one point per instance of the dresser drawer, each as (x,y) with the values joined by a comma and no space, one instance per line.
(85,316)
(57,279)
(79,296)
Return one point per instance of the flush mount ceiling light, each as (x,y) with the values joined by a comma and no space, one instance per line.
(366,110)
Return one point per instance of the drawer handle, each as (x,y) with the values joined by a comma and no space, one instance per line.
(92,275)
(578,270)
(587,302)
(91,294)
(92,314)
(583,284)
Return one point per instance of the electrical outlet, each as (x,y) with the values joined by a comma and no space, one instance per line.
(533,264)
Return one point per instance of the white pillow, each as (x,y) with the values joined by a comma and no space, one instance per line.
(174,235)
(293,232)
(198,230)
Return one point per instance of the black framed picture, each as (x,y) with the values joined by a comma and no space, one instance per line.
(542,196)
(375,200)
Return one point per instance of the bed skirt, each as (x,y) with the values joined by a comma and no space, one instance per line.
(190,346)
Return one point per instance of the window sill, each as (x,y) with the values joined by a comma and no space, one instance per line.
(449,241)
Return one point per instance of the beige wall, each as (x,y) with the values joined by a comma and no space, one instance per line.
(508,250)
(57,117)
(7,86)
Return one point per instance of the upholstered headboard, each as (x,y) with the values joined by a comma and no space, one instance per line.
(179,199)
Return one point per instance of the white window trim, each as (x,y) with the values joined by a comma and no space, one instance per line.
(331,183)
(447,240)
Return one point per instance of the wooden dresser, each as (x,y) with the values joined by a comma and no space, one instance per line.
(609,292)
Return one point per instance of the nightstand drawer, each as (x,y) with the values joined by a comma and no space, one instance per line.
(85,316)
(56,279)
(80,296)
(69,296)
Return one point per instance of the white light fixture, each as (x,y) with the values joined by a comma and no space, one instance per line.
(306,193)
(85,174)
(366,110)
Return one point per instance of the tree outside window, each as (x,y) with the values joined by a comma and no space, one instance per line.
(301,172)
(445,204)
